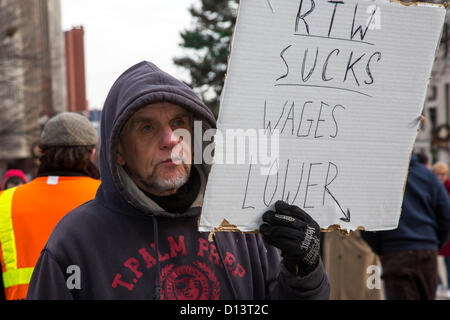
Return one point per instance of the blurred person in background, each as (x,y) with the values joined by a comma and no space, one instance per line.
(351,266)
(440,169)
(66,179)
(13,178)
(423,158)
(408,254)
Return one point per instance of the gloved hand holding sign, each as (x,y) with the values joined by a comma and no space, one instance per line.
(296,234)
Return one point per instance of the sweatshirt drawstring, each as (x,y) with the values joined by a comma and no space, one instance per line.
(157,293)
(233,290)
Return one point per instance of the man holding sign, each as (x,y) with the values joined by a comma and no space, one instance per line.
(139,238)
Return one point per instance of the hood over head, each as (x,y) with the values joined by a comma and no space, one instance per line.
(139,86)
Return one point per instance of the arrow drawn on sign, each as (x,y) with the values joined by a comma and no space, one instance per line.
(346,215)
(270,5)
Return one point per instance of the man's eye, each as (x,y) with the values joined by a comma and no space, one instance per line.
(147,128)
(178,123)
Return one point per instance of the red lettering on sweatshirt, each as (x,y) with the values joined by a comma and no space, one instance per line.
(119,282)
(203,246)
(177,247)
(150,261)
(213,256)
(133,265)
(229,261)
(174,247)
(237,270)
(161,258)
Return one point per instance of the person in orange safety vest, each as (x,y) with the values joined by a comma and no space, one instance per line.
(67,178)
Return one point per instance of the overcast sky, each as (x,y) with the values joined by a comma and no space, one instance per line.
(121,33)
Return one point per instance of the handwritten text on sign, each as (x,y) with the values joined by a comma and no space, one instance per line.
(342,83)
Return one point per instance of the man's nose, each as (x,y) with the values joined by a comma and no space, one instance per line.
(168,138)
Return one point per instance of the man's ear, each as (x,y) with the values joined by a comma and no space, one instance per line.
(92,157)
(120,159)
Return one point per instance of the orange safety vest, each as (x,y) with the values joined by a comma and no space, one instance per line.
(28,214)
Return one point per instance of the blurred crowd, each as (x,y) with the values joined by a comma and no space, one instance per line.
(408,263)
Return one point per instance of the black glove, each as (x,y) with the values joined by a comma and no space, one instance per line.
(296,234)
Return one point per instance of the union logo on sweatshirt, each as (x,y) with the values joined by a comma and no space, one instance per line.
(194,280)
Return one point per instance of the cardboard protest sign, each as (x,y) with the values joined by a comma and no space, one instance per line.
(320,108)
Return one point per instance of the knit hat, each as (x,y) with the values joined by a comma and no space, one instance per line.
(11,174)
(68,129)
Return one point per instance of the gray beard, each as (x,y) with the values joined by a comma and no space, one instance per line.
(168,184)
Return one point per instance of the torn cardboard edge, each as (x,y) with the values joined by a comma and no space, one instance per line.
(225,226)
(444,5)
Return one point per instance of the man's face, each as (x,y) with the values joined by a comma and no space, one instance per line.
(156,159)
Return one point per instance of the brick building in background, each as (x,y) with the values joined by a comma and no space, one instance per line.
(75,71)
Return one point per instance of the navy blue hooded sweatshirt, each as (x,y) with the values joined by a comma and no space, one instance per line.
(127,247)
